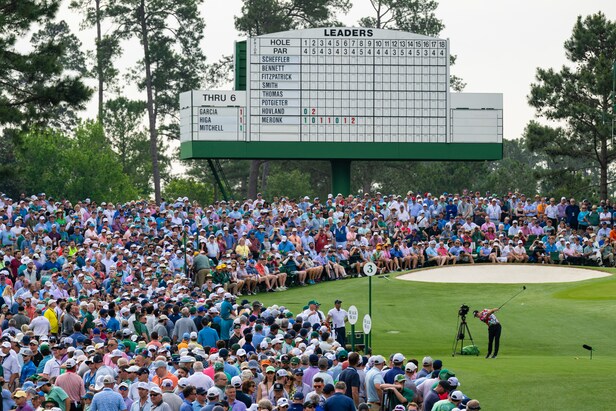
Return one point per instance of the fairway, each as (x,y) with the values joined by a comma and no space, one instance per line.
(541,365)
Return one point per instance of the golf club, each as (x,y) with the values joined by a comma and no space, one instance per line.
(518,293)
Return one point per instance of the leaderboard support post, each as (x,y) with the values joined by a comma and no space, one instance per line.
(341,176)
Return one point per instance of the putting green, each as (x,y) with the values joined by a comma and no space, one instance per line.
(541,366)
(599,290)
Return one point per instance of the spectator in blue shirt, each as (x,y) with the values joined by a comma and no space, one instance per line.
(113,324)
(107,399)
(207,336)
(285,246)
(190,395)
(339,401)
(28,369)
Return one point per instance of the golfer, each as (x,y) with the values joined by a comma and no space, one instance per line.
(494,328)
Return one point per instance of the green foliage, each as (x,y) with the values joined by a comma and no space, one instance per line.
(270,16)
(576,100)
(125,131)
(73,167)
(415,16)
(189,187)
(515,171)
(288,183)
(107,47)
(37,87)
(40,83)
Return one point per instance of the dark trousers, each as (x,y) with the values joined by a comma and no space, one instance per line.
(341,336)
(494,333)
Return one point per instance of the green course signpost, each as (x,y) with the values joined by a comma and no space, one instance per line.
(370,270)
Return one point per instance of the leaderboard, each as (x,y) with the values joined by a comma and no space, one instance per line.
(348,85)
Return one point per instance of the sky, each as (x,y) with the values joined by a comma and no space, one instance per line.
(499,44)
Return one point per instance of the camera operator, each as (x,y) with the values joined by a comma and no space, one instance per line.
(538,251)
(494,329)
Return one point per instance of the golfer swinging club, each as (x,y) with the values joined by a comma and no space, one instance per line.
(494,328)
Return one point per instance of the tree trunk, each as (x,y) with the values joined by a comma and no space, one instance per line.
(150,102)
(99,60)
(604,164)
(253,178)
(264,176)
(367,180)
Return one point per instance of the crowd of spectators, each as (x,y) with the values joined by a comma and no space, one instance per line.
(133,306)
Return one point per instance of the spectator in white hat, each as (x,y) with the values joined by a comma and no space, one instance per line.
(156,397)
(142,403)
(455,399)
(397,360)
(107,399)
(71,383)
(426,367)
(374,379)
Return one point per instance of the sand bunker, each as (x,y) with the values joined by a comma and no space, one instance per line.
(504,274)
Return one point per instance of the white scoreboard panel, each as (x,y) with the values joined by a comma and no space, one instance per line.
(207,115)
(348,85)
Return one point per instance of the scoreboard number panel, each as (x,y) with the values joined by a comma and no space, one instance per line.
(348,85)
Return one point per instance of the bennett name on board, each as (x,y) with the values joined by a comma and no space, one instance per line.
(347,32)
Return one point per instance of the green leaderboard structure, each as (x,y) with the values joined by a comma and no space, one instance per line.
(341,94)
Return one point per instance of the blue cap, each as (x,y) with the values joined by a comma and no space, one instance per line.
(96,331)
(41,383)
(186,336)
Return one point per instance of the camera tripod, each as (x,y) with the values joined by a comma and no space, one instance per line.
(460,335)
